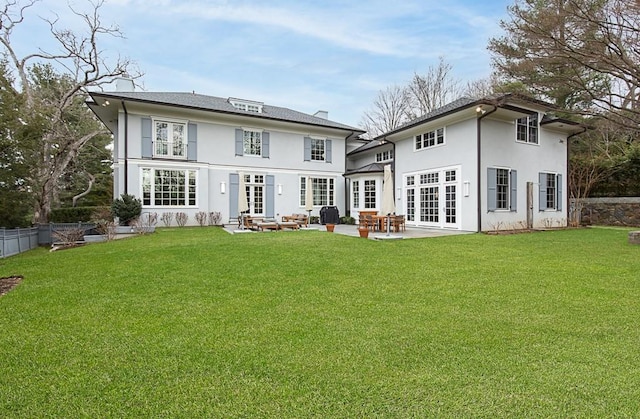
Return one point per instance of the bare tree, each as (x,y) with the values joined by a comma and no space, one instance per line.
(433,90)
(486,87)
(83,65)
(388,112)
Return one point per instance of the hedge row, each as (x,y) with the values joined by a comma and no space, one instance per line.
(75,214)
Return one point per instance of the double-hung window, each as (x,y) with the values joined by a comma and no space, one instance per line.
(252,143)
(168,187)
(550,185)
(323,191)
(355,187)
(170,139)
(527,129)
(317,149)
(502,189)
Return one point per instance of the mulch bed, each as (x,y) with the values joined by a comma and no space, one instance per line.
(8,283)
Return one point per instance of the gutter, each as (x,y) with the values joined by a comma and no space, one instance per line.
(479,163)
(126,148)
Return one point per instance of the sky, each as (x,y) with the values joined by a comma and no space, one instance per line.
(332,55)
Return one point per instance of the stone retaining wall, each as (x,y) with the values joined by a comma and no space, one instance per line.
(611,211)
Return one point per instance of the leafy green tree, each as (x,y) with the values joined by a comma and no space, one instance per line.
(15,198)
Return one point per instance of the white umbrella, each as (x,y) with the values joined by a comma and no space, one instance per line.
(243,205)
(388,203)
(308,198)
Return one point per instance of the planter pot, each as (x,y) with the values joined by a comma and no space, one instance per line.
(330,227)
(364,232)
(95,238)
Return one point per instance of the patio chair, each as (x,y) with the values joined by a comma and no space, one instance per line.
(370,222)
(399,223)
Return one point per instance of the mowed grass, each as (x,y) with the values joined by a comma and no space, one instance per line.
(197,323)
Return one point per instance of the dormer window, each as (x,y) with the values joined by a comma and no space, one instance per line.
(527,129)
(246,105)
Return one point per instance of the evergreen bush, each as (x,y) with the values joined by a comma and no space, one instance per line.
(127,208)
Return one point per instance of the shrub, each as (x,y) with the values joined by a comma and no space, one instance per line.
(166,218)
(201,218)
(126,208)
(347,220)
(181,219)
(314,219)
(68,236)
(104,223)
(145,223)
(215,218)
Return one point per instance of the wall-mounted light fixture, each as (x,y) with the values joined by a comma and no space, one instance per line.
(466,188)
(223,187)
(480,110)
(279,188)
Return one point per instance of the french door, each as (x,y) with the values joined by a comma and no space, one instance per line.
(255,194)
(432,198)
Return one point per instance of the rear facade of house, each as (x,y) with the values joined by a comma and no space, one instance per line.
(473,165)
(183,152)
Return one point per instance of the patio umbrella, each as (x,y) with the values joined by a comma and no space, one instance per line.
(243,205)
(388,203)
(308,199)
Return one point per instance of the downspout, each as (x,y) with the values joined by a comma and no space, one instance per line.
(126,148)
(568,193)
(479,163)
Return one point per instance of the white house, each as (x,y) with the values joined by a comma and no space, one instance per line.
(184,152)
(473,165)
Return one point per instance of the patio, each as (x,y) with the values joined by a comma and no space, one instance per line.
(352,230)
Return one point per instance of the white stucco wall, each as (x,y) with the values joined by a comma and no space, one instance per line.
(216,160)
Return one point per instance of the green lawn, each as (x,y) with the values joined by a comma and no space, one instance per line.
(197,323)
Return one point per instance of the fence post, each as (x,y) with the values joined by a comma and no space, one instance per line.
(4,234)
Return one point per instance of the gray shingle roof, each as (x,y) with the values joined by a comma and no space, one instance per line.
(369,168)
(222,105)
(371,144)
(457,104)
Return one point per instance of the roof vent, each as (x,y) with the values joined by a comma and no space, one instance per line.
(322,114)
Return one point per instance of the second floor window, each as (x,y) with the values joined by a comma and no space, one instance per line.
(170,139)
(429,139)
(252,143)
(527,129)
(317,149)
(384,156)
